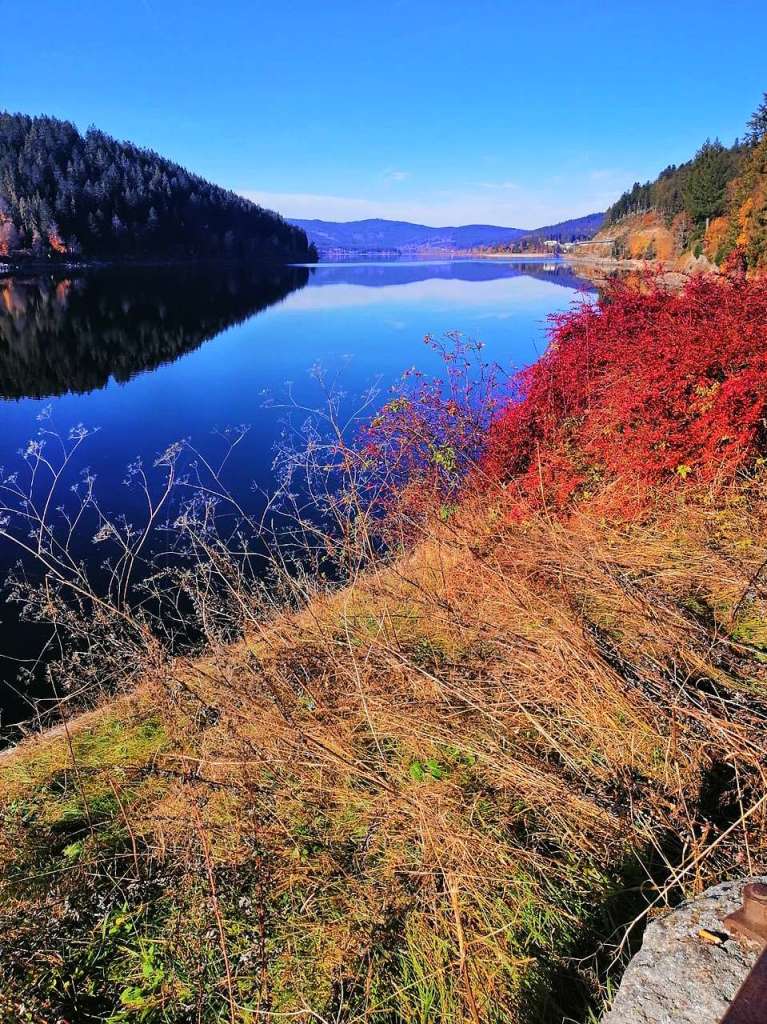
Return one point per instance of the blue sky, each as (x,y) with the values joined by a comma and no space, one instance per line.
(439,111)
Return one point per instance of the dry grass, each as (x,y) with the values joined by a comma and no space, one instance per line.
(437,794)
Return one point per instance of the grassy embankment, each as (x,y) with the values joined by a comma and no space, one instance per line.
(440,792)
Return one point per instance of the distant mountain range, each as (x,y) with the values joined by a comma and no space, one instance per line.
(403,238)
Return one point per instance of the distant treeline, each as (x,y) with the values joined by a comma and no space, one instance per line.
(577,229)
(64,194)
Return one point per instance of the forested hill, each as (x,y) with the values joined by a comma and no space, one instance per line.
(577,229)
(713,206)
(574,230)
(696,188)
(64,194)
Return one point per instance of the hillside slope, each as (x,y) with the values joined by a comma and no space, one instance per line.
(67,195)
(709,209)
(434,792)
(640,236)
(737,230)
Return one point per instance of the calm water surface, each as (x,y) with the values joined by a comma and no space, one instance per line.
(152,356)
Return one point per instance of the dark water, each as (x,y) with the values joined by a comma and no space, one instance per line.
(152,356)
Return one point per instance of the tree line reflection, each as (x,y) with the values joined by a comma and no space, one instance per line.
(62,334)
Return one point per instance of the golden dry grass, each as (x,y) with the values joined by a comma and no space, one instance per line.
(419,797)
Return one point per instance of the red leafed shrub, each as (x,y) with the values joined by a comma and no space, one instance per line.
(642,388)
(431,435)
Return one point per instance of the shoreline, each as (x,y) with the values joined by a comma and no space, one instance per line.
(31,738)
(11,268)
(8,268)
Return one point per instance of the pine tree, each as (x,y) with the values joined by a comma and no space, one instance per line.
(756,128)
(706,185)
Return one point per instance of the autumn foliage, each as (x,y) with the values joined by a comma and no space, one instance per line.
(646,391)
(430,437)
(645,387)
(748,210)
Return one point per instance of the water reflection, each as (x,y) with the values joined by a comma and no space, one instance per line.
(61,335)
(122,351)
(384,275)
(73,334)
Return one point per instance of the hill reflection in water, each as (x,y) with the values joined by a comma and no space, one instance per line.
(62,335)
(385,274)
(73,334)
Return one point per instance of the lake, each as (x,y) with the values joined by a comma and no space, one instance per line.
(150,356)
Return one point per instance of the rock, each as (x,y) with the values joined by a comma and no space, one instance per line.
(678,977)
(673,280)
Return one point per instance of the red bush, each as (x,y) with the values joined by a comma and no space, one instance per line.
(641,388)
(431,435)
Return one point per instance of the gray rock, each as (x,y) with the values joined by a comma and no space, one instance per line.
(679,978)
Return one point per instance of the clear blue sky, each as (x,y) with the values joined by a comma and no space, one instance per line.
(441,111)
